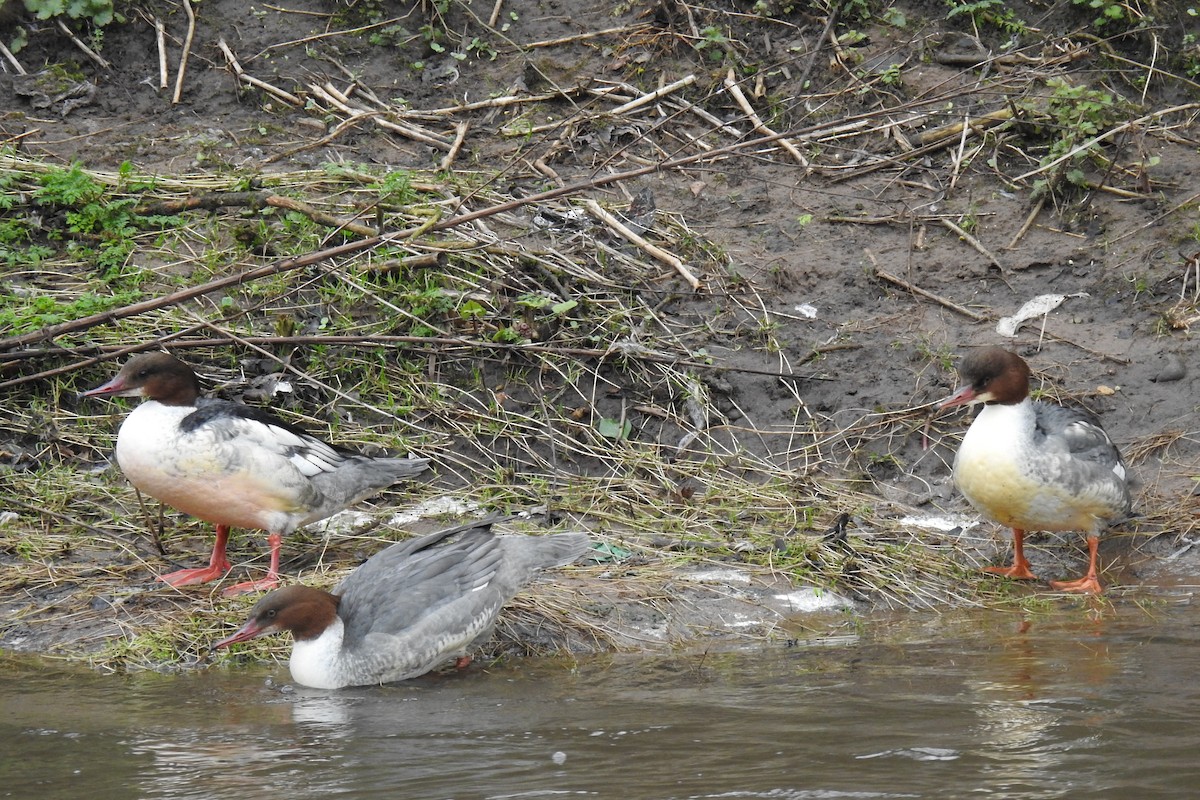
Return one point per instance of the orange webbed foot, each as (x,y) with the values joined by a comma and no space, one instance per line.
(218,565)
(1088,584)
(271,581)
(191,577)
(1018,572)
(260,585)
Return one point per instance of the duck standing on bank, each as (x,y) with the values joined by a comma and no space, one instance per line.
(1033,465)
(233,465)
(408,608)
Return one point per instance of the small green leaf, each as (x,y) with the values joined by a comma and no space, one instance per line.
(612,429)
(607,553)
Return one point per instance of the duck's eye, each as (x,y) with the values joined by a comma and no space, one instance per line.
(272,612)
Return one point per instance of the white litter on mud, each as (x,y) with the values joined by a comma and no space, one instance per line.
(941,522)
(1039,306)
(351,521)
(344,523)
(722,576)
(434,507)
(808,599)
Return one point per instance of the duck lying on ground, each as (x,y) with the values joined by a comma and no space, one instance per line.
(407,609)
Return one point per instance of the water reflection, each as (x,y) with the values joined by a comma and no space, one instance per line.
(1023,715)
(995,705)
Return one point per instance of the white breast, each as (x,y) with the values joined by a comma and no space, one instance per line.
(206,475)
(318,662)
(1001,471)
(987,468)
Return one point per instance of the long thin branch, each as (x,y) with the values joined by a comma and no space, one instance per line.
(1085,146)
(363,244)
(184,295)
(739,97)
(418,341)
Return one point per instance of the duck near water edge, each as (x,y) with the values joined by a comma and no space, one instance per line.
(1033,465)
(409,608)
(233,465)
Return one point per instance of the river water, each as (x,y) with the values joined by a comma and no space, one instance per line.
(1081,701)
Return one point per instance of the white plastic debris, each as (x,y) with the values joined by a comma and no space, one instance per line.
(1038,306)
(721,576)
(808,599)
(434,507)
(941,522)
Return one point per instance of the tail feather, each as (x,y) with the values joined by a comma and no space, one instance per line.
(533,553)
(361,478)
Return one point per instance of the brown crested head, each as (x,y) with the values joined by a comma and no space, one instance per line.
(155,376)
(990,375)
(303,610)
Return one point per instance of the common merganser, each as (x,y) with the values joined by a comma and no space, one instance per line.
(408,608)
(233,465)
(1034,466)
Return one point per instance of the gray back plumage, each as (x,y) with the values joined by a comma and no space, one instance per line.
(449,581)
(1086,444)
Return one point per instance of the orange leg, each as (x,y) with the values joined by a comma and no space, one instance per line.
(218,565)
(1090,583)
(1020,567)
(270,581)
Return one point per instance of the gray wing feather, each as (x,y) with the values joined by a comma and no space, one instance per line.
(1088,462)
(456,579)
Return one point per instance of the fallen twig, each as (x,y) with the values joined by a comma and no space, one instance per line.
(383,23)
(830,21)
(657,252)
(160,38)
(736,93)
(460,136)
(10,58)
(638,102)
(286,97)
(187,49)
(954,130)
(1029,220)
(342,103)
(337,131)
(490,103)
(87,51)
(583,37)
(971,240)
(291,204)
(928,295)
(255,200)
